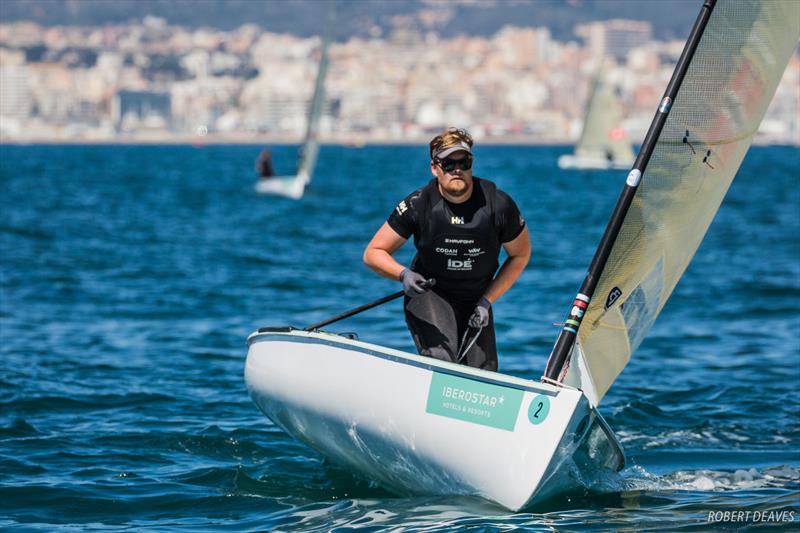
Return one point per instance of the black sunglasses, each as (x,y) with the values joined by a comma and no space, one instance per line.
(449,165)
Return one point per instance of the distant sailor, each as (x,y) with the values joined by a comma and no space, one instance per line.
(459,223)
(264,164)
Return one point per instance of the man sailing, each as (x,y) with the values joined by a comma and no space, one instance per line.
(459,223)
(264,165)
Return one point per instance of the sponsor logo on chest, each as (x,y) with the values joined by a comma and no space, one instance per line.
(455,264)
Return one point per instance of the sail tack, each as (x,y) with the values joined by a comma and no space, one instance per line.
(729,84)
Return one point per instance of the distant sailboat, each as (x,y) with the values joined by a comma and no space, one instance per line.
(294,186)
(603,143)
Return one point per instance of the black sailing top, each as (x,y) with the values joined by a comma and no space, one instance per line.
(458,244)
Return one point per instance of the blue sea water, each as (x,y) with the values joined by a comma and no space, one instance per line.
(130,277)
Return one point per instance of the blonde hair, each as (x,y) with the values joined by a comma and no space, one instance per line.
(449,137)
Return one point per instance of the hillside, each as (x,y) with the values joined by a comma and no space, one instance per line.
(377,18)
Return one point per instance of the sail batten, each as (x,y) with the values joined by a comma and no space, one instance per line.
(729,82)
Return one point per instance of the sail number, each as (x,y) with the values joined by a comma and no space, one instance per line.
(538,409)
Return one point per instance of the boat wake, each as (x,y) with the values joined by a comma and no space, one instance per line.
(637,478)
(714,480)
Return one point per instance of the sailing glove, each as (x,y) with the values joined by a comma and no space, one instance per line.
(413,283)
(480,316)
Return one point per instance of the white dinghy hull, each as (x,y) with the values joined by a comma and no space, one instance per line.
(573,162)
(421,426)
(288,186)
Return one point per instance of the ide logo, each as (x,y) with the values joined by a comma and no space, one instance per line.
(613,296)
(454,264)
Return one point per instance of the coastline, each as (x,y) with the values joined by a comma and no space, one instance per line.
(348,141)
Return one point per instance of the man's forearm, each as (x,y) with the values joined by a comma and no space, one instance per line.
(506,276)
(383,263)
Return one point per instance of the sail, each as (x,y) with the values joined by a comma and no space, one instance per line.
(602,137)
(308,155)
(715,114)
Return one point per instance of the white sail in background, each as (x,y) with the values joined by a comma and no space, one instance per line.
(294,186)
(603,143)
(308,156)
(730,82)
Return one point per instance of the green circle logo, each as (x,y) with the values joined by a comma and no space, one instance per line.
(538,409)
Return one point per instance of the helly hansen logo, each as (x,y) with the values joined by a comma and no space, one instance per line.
(456,220)
(401,208)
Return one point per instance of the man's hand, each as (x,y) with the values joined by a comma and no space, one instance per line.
(413,283)
(480,316)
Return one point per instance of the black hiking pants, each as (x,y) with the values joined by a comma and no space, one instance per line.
(437,326)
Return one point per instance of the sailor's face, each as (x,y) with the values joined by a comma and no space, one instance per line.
(452,175)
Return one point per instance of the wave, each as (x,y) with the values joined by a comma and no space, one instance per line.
(57,403)
(780,476)
(19,428)
(28,233)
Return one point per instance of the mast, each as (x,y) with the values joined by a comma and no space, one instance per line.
(559,357)
(319,85)
(308,152)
